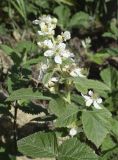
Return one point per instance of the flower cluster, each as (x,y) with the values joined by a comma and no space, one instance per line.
(59,59)
(54,47)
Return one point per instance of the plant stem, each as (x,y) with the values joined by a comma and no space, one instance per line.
(14,129)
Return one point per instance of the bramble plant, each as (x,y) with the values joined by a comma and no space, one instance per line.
(59,80)
(75,105)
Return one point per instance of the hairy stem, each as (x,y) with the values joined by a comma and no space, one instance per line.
(15,129)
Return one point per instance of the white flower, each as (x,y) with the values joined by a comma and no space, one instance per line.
(46,30)
(76,72)
(66,35)
(58,59)
(54,47)
(73,132)
(92,99)
(48,53)
(47,25)
(48,19)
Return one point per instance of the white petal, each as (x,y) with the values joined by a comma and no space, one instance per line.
(54,79)
(48,53)
(40,33)
(89,102)
(99,100)
(39,44)
(73,73)
(43,26)
(58,59)
(80,75)
(48,43)
(86,97)
(54,20)
(77,72)
(96,105)
(36,21)
(61,46)
(83,43)
(65,54)
(90,93)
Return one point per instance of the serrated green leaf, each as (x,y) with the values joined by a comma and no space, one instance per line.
(114,126)
(99,57)
(80,19)
(25,46)
(57,106)
(43,145)
(83,84)
(78,100)
(110,77)
(26,94)
(96,125)
(72,149)
(68,117)
(63,13)
(109,35)
(108,143)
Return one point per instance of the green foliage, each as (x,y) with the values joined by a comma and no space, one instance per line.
(45,145)
(113,31)
(39,145)
(26,94)
(110,78)
(57,106)
(20,6)
(96,125)
(68,117)
(83,84)
(80,19)
(76,151)
(63,13)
